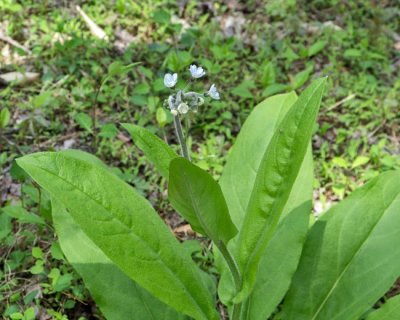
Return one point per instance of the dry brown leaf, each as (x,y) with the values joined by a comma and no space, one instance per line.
(186,228)
(123,138)
(8,56)
(18,78)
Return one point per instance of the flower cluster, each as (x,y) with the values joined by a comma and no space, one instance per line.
(184,101)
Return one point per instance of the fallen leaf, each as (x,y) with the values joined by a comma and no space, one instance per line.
(186,228)
(123,138)
(18,78)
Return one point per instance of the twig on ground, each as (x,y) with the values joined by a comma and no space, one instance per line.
(340,102)
(94,28)
(14,43)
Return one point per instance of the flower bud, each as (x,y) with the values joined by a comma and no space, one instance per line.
(183,108)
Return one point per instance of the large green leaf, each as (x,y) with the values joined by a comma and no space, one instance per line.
(281,256)
(244,160)
(126,228)
(199,199)
(279,261)
(84,156)
(274,181)
(389,311)
(351,256)
(118,296)
(155,149)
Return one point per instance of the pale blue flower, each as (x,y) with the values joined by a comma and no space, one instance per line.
(213,92)
(197,72)
(170,80)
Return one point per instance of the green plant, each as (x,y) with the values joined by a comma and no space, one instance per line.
(257,217)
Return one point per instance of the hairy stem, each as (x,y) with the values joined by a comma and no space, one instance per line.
(181,138)
(233,267)
(236,311)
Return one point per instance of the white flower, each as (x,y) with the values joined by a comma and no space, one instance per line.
(183,108)
(170,80)
(213,92)
(174,112)
(197,72)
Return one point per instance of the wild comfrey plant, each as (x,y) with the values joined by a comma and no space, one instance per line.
(274,260)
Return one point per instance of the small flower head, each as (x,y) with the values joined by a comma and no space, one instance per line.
(213,92)
(170,80)
(182,102)
(197,72)
(183,108)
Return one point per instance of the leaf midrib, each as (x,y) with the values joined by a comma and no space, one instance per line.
(196,209)
(259,242)
(139,293)
(335,284)
(93,246)
(235,190)
(130,231)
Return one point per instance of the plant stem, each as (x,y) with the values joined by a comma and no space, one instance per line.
(231,263)
(94,114)
(233,267)
(181,138)
(236,311)
(94,119)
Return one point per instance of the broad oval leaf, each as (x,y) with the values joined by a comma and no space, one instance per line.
(118,296)
(351,256)
(389,311)
(155,149)
(126,228)
(275,178)
(281,256)
(84,156)
(199,199)
(244,160)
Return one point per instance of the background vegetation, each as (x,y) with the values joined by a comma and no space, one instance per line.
(251,50)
